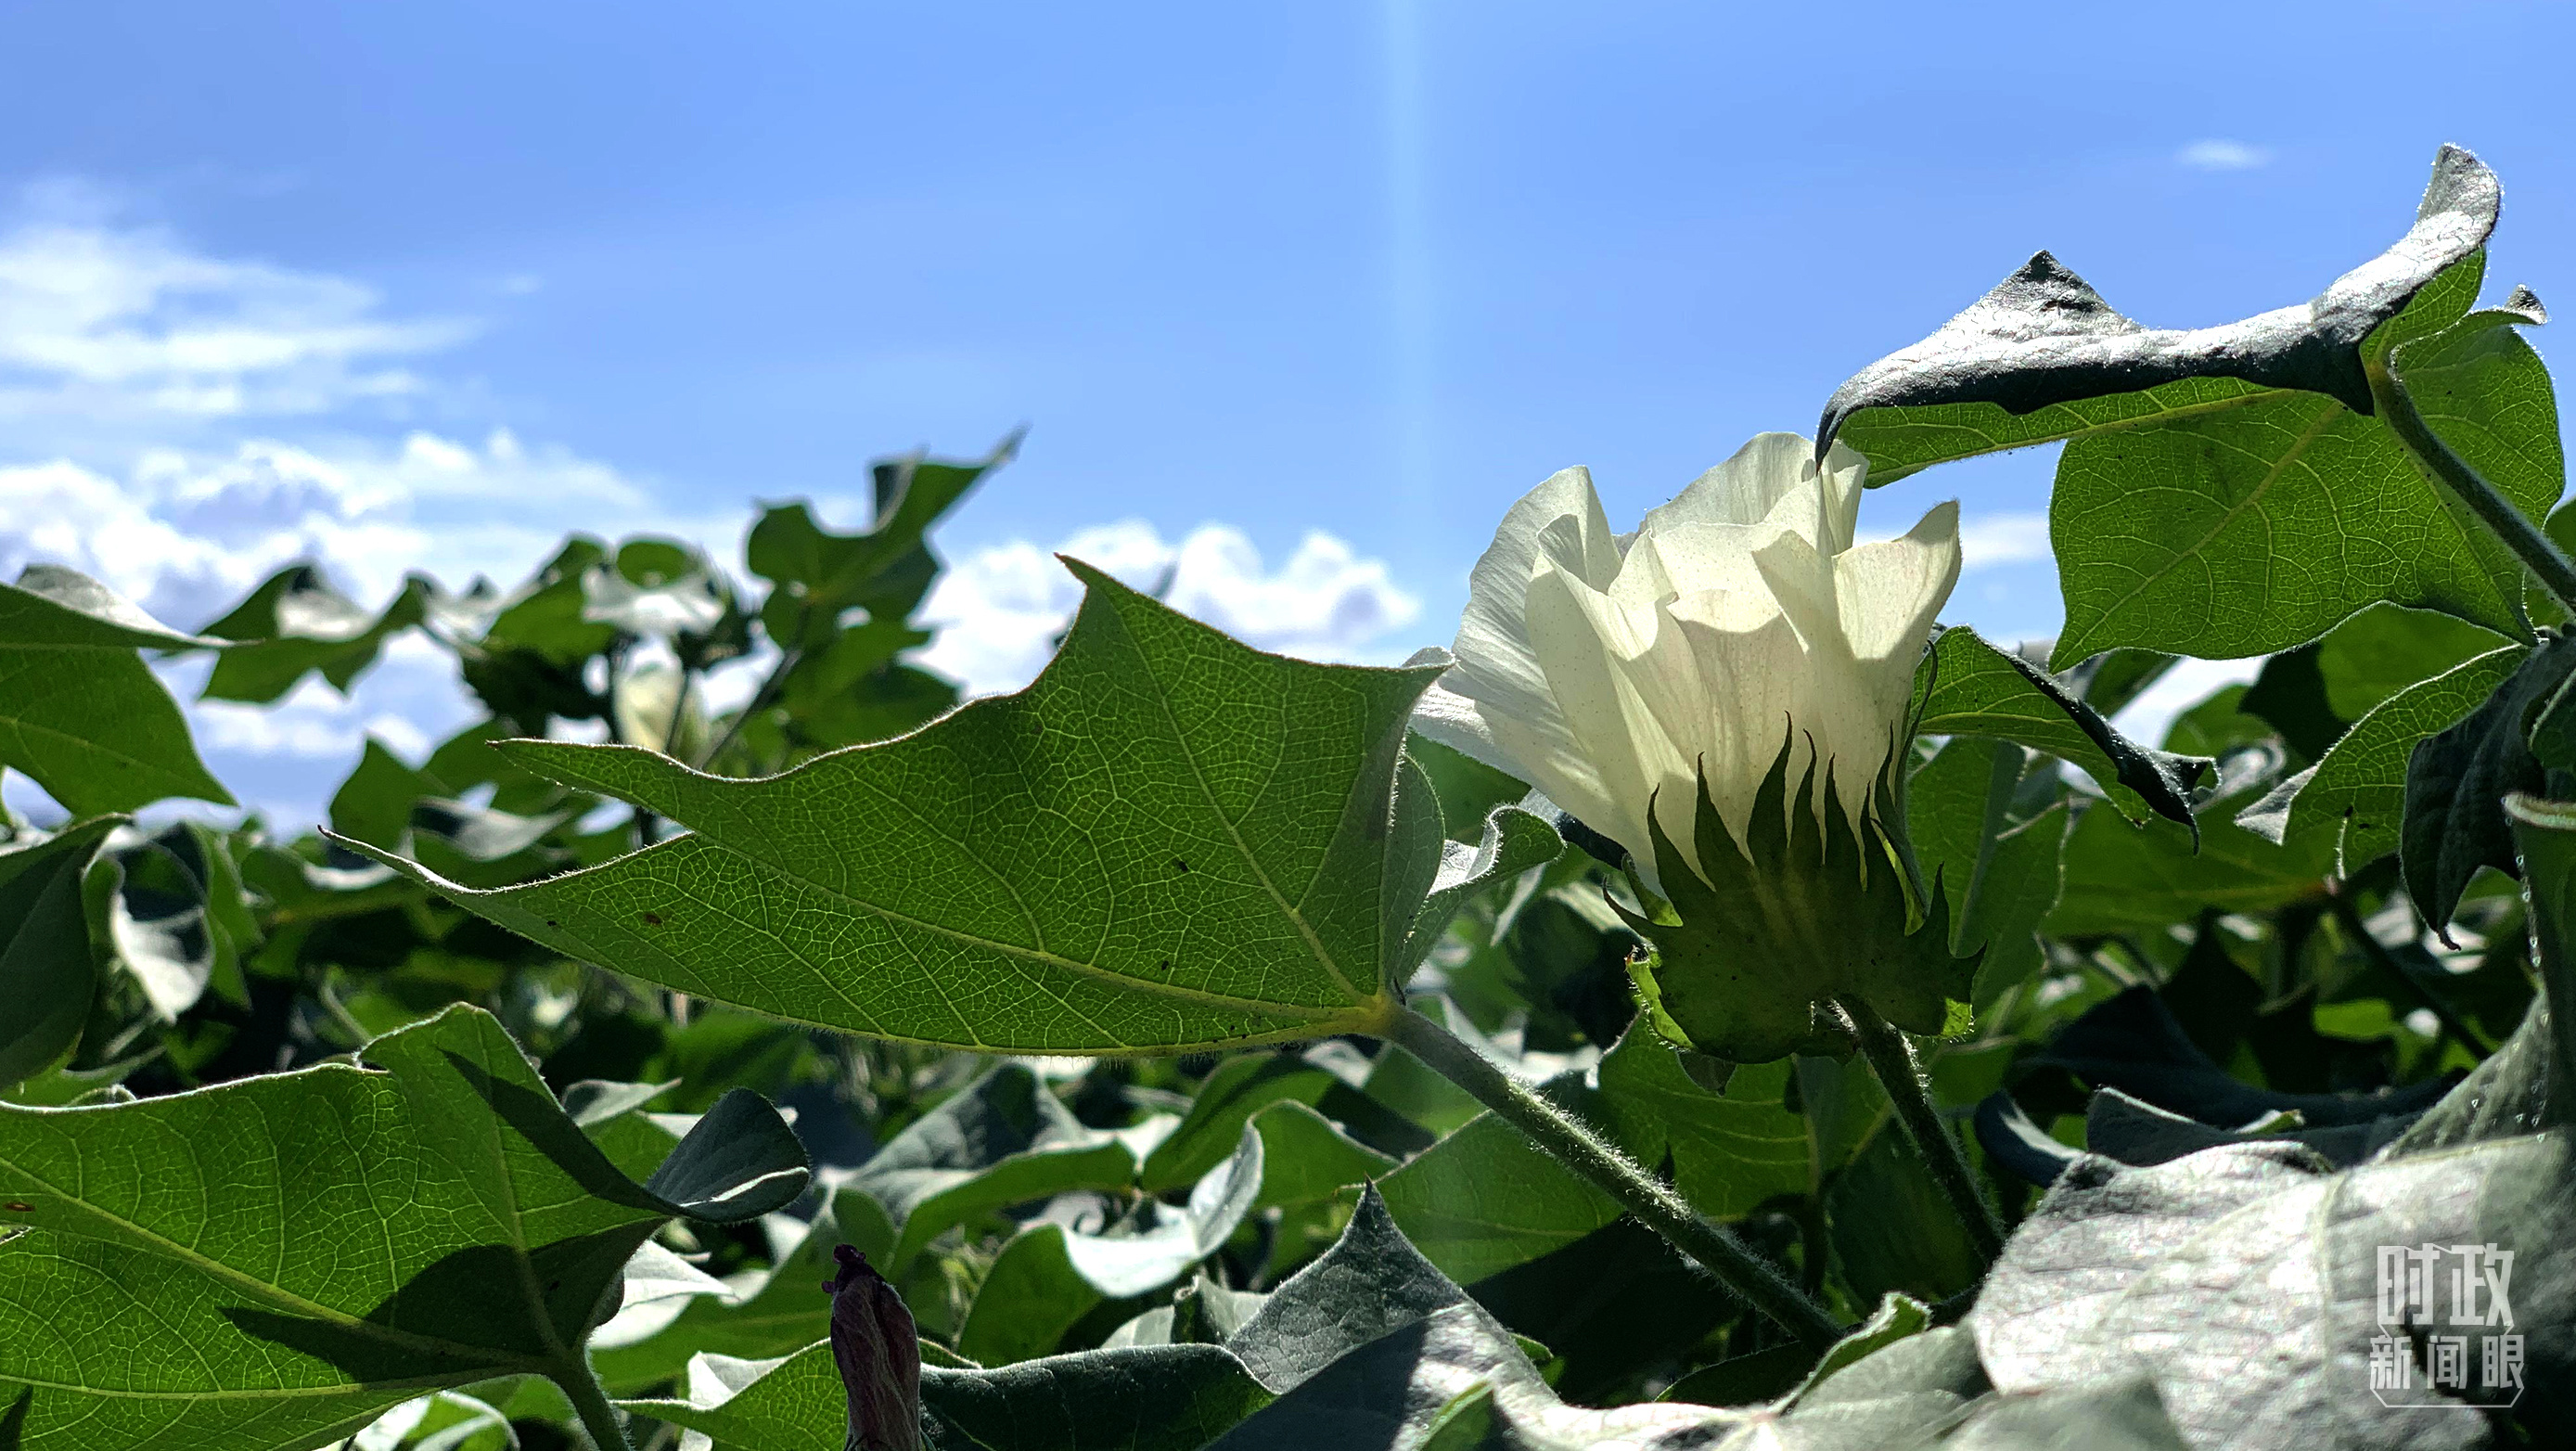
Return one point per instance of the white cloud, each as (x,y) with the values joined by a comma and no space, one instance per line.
(1989,540)
(1000,608)
(2218,154)
(186,533)
(102,321)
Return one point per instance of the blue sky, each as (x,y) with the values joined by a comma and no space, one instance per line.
(428,284)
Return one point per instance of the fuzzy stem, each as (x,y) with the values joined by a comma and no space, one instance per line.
(1575,1144)
(788,660)
(1893,1062)
(598,1417)
(2503,518)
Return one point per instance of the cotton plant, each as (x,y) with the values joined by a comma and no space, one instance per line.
(369,1133)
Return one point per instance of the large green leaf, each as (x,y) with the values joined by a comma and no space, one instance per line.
(2123,878)
(80,713)
(1992,832)
(47,972)
(1136,1398)
(1370,1343)
(1397,1390)
(1455,1381)
(1730,1151)
(297,622)
(1371,1347)
(1485,1199)
(2456,782)
(1171,841)
(2191,457)
(276,1261)
(1370,1282)
(2355,797)
(1968,687)
(2385,649)
(2206,566)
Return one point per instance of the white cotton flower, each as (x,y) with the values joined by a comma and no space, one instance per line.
(1610,670)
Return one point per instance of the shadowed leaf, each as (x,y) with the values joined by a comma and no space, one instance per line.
(1136,1398)
(1968,687)
(279,1260)
(80,713)
(47,972)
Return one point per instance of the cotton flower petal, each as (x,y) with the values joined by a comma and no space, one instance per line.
(1495,662)
(1801,577)
(1543,755)
(1454,721)
(1568,778)
(1740,490)
(1581,638)
(1845,472)
(1848,706)
(1692,559)
(1755,677)
(1889,592)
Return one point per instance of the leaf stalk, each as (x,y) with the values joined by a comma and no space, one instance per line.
(598,1417)
(1892,1059)
(788,660)
(2504,519)
(1579,1147)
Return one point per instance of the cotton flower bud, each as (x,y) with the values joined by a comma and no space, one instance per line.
(879,1353)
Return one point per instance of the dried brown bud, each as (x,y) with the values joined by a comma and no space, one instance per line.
(879,1353)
